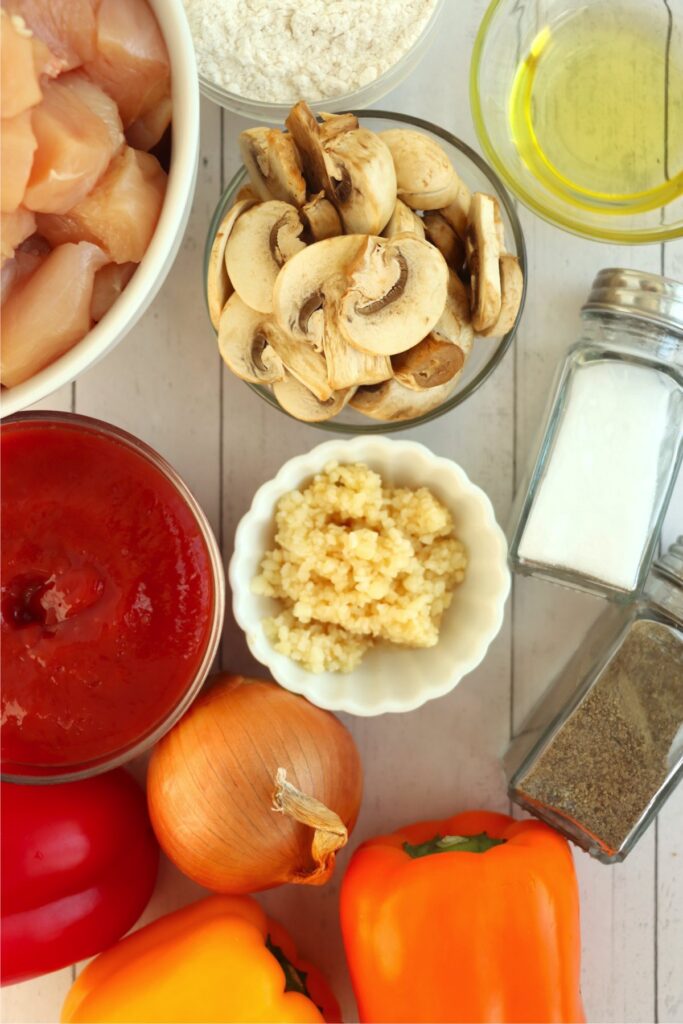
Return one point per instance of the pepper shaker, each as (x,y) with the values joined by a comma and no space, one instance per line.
(604,748)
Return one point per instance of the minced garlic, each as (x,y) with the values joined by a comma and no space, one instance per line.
(355,563)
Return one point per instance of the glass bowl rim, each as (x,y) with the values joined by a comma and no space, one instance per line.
(52,775)
(272,112)
(642,236)
(390,427)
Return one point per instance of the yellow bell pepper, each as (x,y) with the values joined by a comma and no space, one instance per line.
(218,960)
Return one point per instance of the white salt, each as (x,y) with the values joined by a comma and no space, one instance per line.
(593,509)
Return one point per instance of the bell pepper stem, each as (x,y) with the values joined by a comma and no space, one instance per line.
(329,831)
(453,844)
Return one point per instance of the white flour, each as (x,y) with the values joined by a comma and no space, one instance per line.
(280,51)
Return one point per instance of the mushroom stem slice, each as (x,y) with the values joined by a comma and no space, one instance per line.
(321,218)
(431,363)
(396,292)
(218,286)
(404,221)
(302,361)
(346,365)
(274,165)
(441,234)
(425,176)
(512,288)
(244,346)
(391,401)
(298,401)
(261,242)
(483,260)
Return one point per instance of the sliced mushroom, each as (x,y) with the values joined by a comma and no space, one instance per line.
(353,167)
(483,260)
(218,285)
(298,401)
(429,364)
(458,210)
(404,220)
(336,124)
(247,192)
(425,176)
(321,218)
(261,242)
(346,365)
(455,323)
(391,401)
(396,292)
(302,361)
(274,165)
(441,234)
(299,294)
(512,288)
(244,345)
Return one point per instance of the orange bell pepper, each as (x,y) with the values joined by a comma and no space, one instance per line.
(218,960)
(471,919)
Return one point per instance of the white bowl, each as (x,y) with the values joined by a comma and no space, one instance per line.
(165,243)
(389,678)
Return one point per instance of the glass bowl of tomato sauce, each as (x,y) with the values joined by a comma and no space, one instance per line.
(112,597)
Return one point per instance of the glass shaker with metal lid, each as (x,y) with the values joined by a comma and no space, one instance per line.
(604,748)
(600,484)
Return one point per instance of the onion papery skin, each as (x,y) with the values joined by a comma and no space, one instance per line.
(212,780)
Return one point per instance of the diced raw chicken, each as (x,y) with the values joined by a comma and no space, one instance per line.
(19,86)
(15,270)
(121,212)
(48,312)
(74,148)
(99,102)
(14,228)
(147,130)
(109,283)
(44,60)
(131,62)
(67,27)
(17,144)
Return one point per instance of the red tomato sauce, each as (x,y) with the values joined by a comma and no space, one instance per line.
(107,594)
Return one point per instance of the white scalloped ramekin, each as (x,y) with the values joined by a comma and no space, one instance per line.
(390,678)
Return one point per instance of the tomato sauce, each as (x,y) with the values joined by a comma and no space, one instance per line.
(107,594)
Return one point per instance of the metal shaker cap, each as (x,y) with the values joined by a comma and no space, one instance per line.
(638,294)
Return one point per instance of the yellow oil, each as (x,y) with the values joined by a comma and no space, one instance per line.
(596,110)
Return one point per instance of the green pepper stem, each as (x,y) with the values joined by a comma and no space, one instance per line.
(453,844)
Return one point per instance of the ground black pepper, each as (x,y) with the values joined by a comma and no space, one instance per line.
(611,756)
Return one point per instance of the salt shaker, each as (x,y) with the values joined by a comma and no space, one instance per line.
(604,748)
(591,511)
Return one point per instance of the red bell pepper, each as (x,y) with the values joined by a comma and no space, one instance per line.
(79,863)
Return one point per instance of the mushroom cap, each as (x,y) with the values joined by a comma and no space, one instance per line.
(391,401)
(457,212)
(274,165)
(298,401)
(396,292)
(431,363)
(482,247)
(300,288)
(425,176)
(439,232)
(512,288)
(363,180)
(260,243)
(244,346)
(403,221)
(218,285)
(321,218)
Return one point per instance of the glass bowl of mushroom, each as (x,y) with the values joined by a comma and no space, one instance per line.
(365,272)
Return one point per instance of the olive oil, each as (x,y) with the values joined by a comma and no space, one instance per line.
(596,109)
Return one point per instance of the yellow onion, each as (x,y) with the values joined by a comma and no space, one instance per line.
(254,787)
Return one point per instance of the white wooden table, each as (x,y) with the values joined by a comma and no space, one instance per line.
(166,384)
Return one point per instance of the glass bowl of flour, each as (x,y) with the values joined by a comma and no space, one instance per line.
(486,353)
(258,57)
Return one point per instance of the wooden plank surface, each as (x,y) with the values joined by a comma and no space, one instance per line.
(165,383)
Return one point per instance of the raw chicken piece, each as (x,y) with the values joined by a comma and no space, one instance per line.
(102,105)
(109,283)
(44,60)
(121,212)
(67,27)
(17,144)
(48,312)
(14,228)
(19,86)
(147,130)
(131,62)
(15,270)
(74,148)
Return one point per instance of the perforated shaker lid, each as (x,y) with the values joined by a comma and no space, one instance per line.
(639,294)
